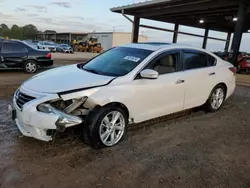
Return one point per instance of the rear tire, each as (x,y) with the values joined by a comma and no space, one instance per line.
(216,98)
(30,66)
(105,126)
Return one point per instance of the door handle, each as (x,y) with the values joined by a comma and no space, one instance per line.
(180,81)
(211,74)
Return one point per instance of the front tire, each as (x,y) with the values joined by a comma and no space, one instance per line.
(105,126)
(30,66)
(216,98)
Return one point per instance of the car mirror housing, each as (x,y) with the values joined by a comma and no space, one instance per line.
(149,74)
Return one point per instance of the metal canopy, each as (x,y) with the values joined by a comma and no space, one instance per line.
(217,14)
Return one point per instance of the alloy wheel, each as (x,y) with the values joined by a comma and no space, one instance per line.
(112,128)
(30,67)
(217,98)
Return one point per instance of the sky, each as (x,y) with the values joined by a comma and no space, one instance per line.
(95,15)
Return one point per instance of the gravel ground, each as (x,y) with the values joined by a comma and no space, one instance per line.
(196,150)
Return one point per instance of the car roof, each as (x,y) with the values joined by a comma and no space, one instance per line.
(11,41)
(155,46)
(147,46)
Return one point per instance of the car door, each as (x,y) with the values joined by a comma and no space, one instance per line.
(13,54)
(200,77)
(164,95)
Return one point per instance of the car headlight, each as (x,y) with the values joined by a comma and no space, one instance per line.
(46,108)
(64,120)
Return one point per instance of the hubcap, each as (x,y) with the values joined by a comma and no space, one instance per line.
(112,128)
(31,67)
(217,98)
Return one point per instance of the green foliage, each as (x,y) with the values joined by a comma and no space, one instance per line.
(4,30)
(15,32)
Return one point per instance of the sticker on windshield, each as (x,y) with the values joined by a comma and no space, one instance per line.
(131,58)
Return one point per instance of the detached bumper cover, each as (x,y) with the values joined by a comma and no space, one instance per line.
(34,132)
(33,123)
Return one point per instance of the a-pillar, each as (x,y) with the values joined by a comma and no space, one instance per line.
(135,32)
(204,45)
(175,36)
(242,15)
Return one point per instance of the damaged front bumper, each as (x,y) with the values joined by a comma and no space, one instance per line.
(36,124)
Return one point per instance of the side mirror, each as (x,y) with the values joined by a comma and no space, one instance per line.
(149,74)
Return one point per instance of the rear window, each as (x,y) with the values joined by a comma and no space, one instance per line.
(118,61)
(13,47)
(194,60)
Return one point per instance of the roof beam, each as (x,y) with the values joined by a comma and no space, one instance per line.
(192,23)
(180,32)
(231,10)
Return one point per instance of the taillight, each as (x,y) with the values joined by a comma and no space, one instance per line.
(48,55)
(233,69)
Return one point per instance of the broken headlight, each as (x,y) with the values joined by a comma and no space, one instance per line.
(64,120)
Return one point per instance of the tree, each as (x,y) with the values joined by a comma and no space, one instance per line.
(15,32)
(29,31)
(4,30)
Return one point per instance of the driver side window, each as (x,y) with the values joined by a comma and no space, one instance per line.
(164,64)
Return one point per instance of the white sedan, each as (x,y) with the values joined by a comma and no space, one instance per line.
(125,85)
(47,46)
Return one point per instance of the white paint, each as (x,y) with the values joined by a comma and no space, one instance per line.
(64,79)
(144,98)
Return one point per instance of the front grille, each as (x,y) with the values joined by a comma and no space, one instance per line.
(22,99)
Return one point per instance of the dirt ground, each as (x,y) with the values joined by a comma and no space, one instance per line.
(197,150)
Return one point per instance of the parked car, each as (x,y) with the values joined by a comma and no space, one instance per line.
(64,48)
(31,43)
(17,54)
(243,62)
(47,46)
(127,84)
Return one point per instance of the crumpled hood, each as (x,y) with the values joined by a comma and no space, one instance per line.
(63,79)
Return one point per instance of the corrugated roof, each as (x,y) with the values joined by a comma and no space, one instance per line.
(146,3)
(217,14)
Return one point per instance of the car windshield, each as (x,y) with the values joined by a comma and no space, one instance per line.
(248,60)
(49,43)
(64,45)
(118,61)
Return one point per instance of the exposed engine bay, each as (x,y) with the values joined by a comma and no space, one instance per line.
(73,107)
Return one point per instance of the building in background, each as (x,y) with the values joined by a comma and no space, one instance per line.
(107,39)
(111,39)
(60,37)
